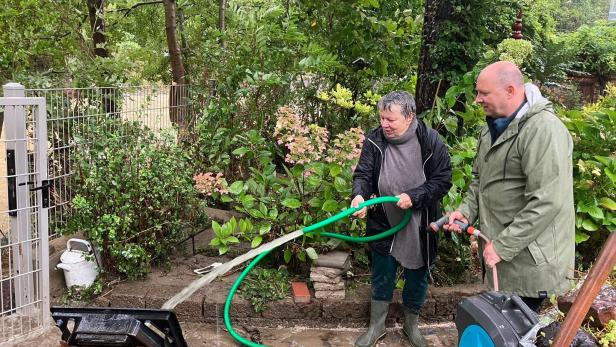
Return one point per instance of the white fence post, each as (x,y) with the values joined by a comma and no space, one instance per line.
(16,147)
(42,201)
(24,280)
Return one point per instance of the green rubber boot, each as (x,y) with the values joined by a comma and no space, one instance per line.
(411,330)
(376,330)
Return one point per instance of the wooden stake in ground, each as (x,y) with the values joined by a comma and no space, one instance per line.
(587,294)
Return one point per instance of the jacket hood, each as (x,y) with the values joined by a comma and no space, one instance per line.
(535,102)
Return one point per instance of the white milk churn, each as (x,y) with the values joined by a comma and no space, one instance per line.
(79,265)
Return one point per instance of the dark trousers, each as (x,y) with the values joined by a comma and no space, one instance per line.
(384,281)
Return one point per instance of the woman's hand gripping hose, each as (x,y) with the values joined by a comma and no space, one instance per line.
(438,225)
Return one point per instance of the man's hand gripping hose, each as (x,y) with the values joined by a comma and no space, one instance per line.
(438,225)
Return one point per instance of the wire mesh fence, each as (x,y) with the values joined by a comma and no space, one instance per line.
(70,111)
(37,147)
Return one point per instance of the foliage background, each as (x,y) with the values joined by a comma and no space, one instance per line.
(328,62)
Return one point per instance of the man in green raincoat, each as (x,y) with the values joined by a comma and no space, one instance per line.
(522,188)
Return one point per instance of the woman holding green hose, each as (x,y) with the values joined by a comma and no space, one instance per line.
(405,158)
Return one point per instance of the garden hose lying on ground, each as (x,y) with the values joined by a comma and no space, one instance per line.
(263,250)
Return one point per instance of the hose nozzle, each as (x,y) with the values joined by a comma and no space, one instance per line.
(438,225)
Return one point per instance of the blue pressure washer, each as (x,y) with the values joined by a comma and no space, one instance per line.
(492,319)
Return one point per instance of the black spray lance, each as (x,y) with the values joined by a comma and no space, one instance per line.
(438,225)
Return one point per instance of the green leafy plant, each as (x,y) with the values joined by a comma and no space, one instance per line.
(594,133)
(362,108)
(574,13)
(263,286)
(77,294)
(607,337)
(228,152)
(135,197)
(465,31)
(279,203)
(592,49)
(462,156)
(224,235)
(515,51)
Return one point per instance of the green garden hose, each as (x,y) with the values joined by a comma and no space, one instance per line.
(309,229)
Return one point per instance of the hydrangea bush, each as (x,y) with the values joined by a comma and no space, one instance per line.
(313,183)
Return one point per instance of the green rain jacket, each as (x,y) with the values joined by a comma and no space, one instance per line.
(522,193)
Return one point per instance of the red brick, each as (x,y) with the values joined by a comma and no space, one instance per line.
(301,294)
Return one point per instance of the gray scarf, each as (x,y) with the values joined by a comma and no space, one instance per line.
(403,170)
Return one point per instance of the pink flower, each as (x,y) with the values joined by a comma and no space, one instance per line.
(347,146)
(208,183)
(305,143)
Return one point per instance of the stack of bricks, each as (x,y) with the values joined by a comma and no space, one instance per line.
(326,275)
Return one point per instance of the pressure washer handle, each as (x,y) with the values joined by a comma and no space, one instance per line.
(438,225)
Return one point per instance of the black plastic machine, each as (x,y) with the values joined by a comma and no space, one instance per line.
(493,319)
(89,326)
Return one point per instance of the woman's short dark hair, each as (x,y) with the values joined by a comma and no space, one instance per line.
(400,98)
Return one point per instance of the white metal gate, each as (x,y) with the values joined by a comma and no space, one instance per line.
(24,199)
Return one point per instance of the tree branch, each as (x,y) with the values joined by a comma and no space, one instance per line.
(128,9)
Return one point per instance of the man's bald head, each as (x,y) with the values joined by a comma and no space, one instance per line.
(500,89)
(505,73)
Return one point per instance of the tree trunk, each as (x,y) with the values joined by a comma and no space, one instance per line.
(185,49)
(428,83)
(96,10)
(178,73)
(222,7)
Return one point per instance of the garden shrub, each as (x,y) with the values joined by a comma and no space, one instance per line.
(593,129)
(515,51)
(313,183)
(229,152)
(135,197)
(592,49)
